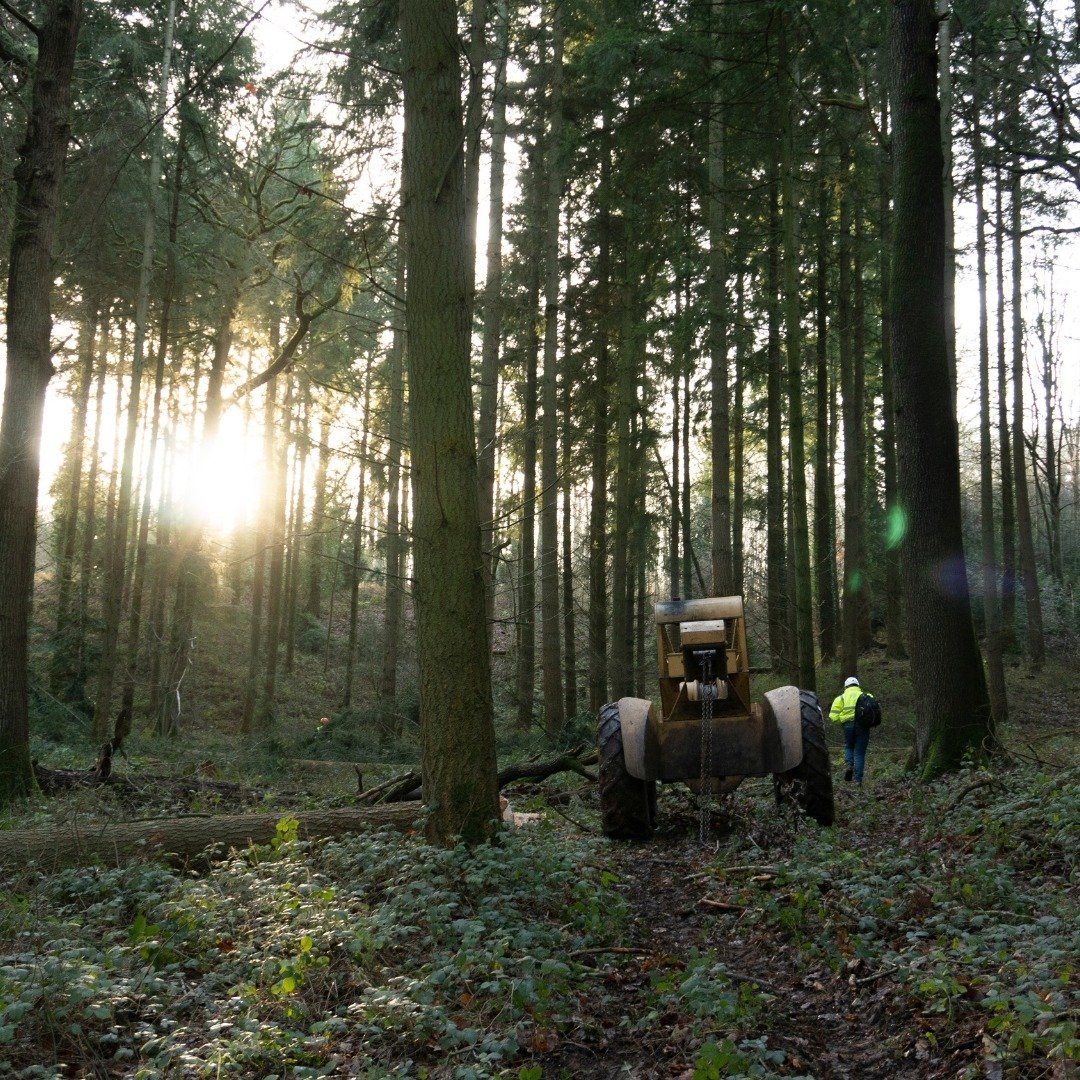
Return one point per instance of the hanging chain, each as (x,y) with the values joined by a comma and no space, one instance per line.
(705,798)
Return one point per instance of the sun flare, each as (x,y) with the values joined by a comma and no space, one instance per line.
(224,480)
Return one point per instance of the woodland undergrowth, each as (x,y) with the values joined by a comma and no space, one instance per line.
(941,916)
(379,956)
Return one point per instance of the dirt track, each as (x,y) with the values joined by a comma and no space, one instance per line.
(851,1024)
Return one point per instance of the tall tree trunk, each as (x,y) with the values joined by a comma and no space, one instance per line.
(108,539)
(598,505)
(1008,504)
(301,449)
(1050,501)
(687,529)
(622,574)
(38,177)
(493,310)
(991,612)
(266,710)
(164,570)
(453,639)
(776,544)
(554,703)
(568,607)
(474,130)
(64,667)
(945,85)
(674,524)
(800,527)
(1036,648)
(319,524)
(952,704)
(526,628)
(864,411)
(852,423)
(738,462)
(894,630)
(722,578)
(116,557)
(824,499)
(357,542)
(90,521)
(395,578)
(263,528)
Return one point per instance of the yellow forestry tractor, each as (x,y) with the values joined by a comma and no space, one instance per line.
(708,733)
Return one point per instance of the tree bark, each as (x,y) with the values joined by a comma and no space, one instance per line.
(266,709)
(738,505)
(395,585)
(551,637)
(621,661)
(719,416)
(569,613)
(1008,498)
(864,412)
(319,524)
(675,507)
(1036,647)
(453,638)
(38,177)
(258,586)
(67,647)
(187,838)
(824,497)
(598,505)
(492,310)
(800,527)
(357,543)
(526,626)
(945,84)
(852,422)
(894,630)
(776,544)
(301,449)
(952,705)
(991,609)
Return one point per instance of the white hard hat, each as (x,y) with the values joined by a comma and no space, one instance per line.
(851,681)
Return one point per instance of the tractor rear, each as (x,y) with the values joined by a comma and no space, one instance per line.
(708,733)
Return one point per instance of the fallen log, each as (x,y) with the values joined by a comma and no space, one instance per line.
(393,803)
(571,762)
(183,838)
(406,786)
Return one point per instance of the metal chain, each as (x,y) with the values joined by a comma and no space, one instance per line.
(705,794)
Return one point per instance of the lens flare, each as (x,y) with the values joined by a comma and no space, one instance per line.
(895,527)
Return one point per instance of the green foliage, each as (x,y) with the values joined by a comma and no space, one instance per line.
(973,915)
(310,634)
(382,945)
(727,1060)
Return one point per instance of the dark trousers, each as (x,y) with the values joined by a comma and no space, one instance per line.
(856,740)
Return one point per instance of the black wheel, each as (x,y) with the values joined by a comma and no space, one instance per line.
(627,805)
(809,784)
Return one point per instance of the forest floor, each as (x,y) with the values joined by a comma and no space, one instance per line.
(932,933)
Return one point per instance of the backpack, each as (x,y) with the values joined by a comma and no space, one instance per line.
(867,711)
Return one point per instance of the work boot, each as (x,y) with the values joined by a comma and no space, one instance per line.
(849,772)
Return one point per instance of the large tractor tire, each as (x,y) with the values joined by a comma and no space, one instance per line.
(809,784)
(627,805)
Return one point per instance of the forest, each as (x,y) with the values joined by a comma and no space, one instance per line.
(375,374)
